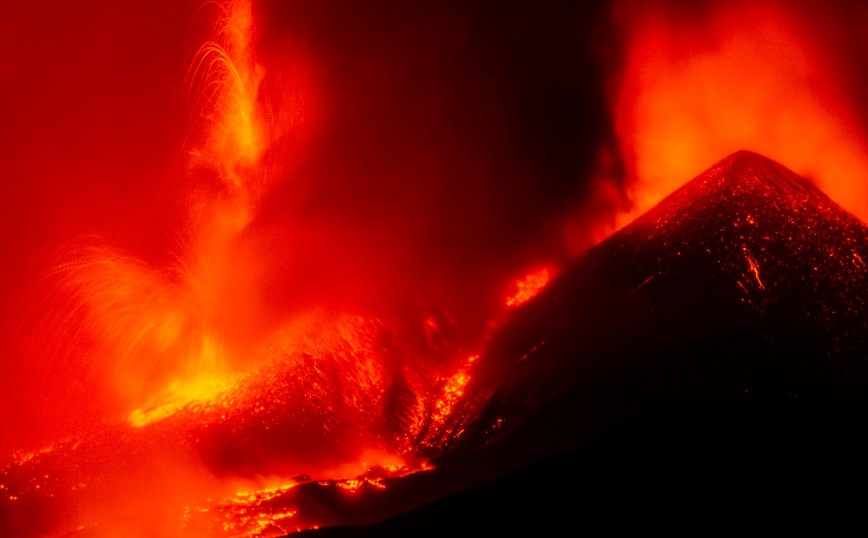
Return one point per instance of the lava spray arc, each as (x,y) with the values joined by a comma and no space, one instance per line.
(158,334)
(156,344)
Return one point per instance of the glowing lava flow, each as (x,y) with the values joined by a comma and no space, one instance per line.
(528,287)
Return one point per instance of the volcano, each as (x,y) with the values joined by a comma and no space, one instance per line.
(746,285)
(706,358)
(718,343)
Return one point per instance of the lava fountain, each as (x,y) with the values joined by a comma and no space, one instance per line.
(204,365)
(270,252)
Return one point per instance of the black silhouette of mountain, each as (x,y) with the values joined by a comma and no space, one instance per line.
(710,359)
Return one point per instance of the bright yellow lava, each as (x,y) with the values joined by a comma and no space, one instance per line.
(177,396)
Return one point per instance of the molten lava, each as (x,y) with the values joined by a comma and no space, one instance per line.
(528,287)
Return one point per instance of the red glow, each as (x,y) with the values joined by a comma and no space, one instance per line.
(247,251)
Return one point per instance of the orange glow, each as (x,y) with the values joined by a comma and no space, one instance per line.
(527,288)
(292,303)
(700,84)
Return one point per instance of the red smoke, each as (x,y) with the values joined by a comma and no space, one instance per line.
(778,78)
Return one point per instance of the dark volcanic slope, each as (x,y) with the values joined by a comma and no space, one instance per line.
(714,350)
(747,286)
